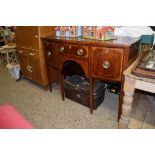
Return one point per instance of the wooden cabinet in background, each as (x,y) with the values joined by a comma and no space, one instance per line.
(30,52)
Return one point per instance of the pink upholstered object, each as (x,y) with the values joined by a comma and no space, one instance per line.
(10,118)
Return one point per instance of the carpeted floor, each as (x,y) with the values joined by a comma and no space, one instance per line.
(46,110)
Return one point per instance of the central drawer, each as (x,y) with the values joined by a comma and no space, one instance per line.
(72,50)
(107,63)
(76,53)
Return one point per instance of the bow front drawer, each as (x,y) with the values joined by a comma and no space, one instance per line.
(72,50)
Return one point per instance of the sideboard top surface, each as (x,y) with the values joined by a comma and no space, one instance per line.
(117,42)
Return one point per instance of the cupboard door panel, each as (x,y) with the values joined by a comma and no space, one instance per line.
(27,36)
(35,66)
(24,62)
(20,37)
(34,37)
(107,63)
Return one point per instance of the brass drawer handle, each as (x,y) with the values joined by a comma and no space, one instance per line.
(70,46)
(62,49)
(30,69)
(32,54)
(106,64)
(49,53)
(80,52)
(20,51)
(36,36)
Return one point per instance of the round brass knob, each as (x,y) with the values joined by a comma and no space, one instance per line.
(49,53)
(80,52)
(106,64)
(62,49)
(70,46)
(30,69)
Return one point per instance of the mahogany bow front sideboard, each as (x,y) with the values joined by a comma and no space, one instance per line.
(102,60)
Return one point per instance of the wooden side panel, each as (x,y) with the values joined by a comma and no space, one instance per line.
(43,68)
(50,53)
(53,73)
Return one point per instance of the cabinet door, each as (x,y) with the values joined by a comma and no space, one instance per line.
(23,36)
(20,36)
(33,37)
(24,62)
(35,66)
(107,63)
(27,36)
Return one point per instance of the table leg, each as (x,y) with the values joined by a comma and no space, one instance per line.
(91,95)
(7,58)
(60,75)
(129,87)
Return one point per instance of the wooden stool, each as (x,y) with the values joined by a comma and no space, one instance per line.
(8,54)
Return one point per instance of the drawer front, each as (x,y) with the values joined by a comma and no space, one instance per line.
(74,53)
(21,51)
(72,50)
(50,54)
(33,54)
(107,63)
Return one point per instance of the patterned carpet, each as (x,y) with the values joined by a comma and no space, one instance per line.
(46,110)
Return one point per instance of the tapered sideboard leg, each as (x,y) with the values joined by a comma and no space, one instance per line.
(61,84)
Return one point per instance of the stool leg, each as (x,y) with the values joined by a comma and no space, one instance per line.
(7,58)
